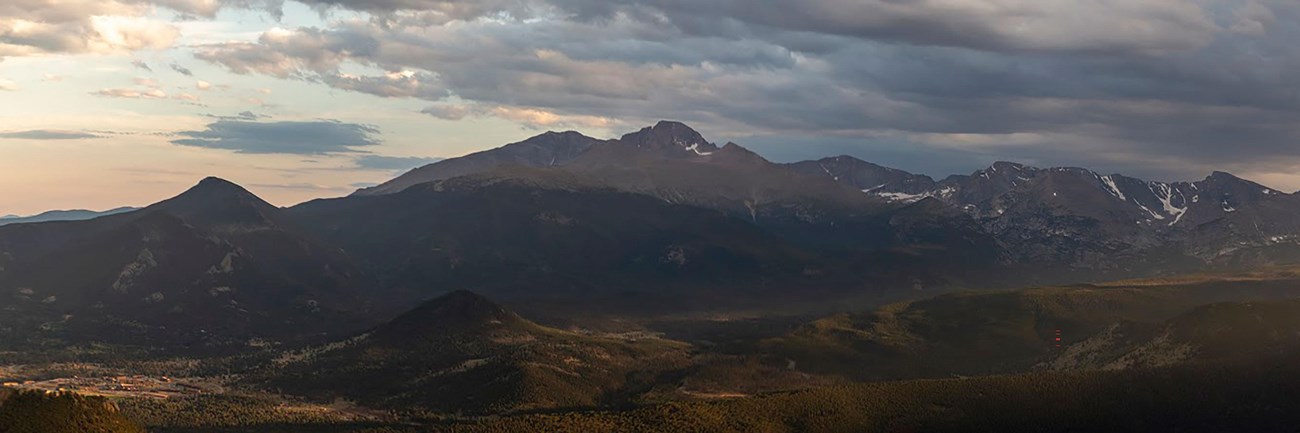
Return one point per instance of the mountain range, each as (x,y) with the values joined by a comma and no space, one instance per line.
(62,215)
(659,221)
(1072,220)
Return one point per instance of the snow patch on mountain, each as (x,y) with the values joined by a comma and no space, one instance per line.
(898,197)
(1113,188)
(696,148)
(944,193)
(1165,193)
(1151,212)
(691,146)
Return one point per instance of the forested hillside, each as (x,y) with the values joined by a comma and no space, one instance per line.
(39,412)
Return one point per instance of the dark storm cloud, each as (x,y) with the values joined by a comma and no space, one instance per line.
(182,70)
(1181,85)
(45,134)
(1010,25)
(298,138)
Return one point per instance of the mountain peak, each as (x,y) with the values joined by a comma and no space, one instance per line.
(466,301)
(735,153)
(1229,180)
(453,313)
(216,185)
(219,202)
(670,134)
(1223,175)
(1007,166)
(672,124)
(213,191)
(213,180)
(556,135)
(558,140)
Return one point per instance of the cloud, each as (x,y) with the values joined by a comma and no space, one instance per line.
(147,82)
(243,115)
(391,85)
(35,27)
(256,101)
(182,70)
(46,134)
(530,117)
(1180,84)
(288,53)
(204,8)
(131,93)
(140,64)
(8,85)
(450,9)
(317,137)
(392,163)
(1006,25)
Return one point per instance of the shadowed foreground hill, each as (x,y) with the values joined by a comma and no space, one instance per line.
(38,412)
(1221,332)
(977,333)
(463,353)
(1189,399)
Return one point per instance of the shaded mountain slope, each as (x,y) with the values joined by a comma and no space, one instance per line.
(215,262)
(864,176)
(538,234)
(675,164)
(546,150)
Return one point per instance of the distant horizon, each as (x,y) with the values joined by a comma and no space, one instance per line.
(254,188)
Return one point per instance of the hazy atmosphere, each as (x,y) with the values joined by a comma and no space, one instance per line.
(649,216)
(123,102)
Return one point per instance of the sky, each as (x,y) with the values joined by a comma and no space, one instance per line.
(105,103)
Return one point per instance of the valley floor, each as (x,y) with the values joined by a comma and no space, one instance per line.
(1189,354)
